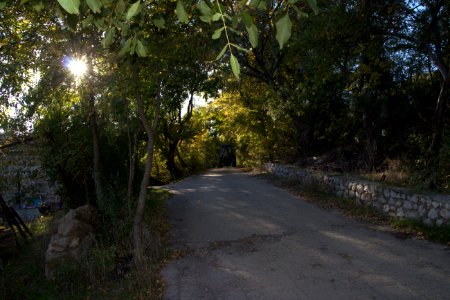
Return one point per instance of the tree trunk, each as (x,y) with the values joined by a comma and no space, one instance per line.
(96,150)
(175,172)
(132,148)
(438,121)
(150,131)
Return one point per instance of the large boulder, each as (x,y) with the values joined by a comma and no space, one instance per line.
(75,235)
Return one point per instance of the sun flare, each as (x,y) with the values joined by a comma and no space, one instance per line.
(78,67)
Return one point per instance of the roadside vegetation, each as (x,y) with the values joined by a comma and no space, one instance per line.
(106,272)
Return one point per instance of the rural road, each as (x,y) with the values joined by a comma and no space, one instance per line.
(246,239)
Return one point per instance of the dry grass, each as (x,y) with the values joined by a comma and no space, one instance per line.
(394,172)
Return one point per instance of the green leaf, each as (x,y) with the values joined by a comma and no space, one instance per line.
(248,21)
(292,1)
(126,47)
(70,6)
(262,5)
(109,37)
(94,5)
(251,29)
(284,28)
(239,48)
(120,7)
(313,5)
(2,5)
(37,7)
(235,22)
(206,19)
(100,23)
(254,3)
(300,14)
(216,17)
(133,10)
(227,16)
(235,66)
(181,12)
(204,8)
(253,35)
(122,26)
(233,30)
(133,45)
(141,50)
(217,33)
(159,22)
(88,21)
(222,52)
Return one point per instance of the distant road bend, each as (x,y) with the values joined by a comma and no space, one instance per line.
(246,239)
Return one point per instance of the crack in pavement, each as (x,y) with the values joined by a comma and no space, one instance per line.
(240,246)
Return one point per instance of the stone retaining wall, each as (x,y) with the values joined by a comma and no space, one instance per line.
(398,202)
(23,182)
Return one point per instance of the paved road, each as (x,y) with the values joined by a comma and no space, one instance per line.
(246,239)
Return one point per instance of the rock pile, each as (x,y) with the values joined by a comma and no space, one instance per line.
(74,237)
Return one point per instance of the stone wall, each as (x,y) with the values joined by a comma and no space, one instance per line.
(432,209)
(23,183)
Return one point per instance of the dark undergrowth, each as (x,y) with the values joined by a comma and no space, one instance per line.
(324,198)
(106,272)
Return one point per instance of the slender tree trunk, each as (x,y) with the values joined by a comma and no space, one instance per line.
(93,122)
(438,121)
(150,131)
(175,172)
(132,148)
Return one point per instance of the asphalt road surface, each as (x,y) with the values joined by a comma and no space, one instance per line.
(246,239)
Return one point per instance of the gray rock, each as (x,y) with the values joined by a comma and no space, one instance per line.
(381,199)
(75,235)
(421,210)
(439,222)
(432,214)
(413,198)
(435,204)
(444,213)
(386,208)
(412,214)
(407,205)
(400,213)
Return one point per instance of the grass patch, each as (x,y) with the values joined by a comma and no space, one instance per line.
(106,272)
(325,198)
(417,228)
